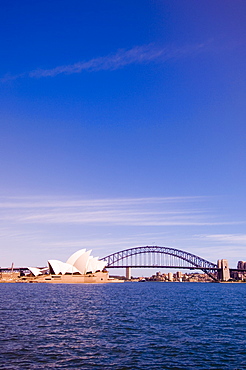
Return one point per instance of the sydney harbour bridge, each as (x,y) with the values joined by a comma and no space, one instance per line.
(166,257)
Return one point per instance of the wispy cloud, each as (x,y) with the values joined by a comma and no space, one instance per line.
(173,211)
(121,58)
(39,228)
(62,202)
(226,238)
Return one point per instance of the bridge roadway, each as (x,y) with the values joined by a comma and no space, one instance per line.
(165,267)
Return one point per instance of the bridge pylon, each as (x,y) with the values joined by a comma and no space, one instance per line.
(223,270)
(128,273)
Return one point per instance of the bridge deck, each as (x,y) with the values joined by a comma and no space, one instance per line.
(161,267)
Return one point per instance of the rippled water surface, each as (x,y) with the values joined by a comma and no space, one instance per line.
(123,326)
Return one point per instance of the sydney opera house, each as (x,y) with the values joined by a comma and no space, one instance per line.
(80,267)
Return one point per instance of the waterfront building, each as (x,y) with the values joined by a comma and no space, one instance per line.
(241,265)
(79,263)
(80,267)
(241,275)
(179,276)
(170,276)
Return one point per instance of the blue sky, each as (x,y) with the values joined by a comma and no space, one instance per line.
(122,123)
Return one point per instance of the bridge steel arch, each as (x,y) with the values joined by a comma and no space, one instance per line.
(159,257)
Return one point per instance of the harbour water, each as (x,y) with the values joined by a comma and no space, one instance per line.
(123,326)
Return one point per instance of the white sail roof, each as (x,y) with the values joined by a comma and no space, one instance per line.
(58,267)
(79,262)
(100,265)
(73,258)
(82,261)
(35,271)
(92,264)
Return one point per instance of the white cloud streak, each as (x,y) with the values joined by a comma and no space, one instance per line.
(226,238)
(123,57)
(49,202)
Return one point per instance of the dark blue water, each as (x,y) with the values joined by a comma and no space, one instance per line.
(123,326)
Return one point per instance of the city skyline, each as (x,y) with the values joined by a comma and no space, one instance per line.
(122,125)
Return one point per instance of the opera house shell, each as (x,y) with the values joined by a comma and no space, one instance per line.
(80,267)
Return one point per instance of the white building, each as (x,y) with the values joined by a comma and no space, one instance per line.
(79,263)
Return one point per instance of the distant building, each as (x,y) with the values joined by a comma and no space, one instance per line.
(241,265)
(170,276)
(241,275)
(179,276)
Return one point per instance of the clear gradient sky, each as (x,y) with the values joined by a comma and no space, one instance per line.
(122,123)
